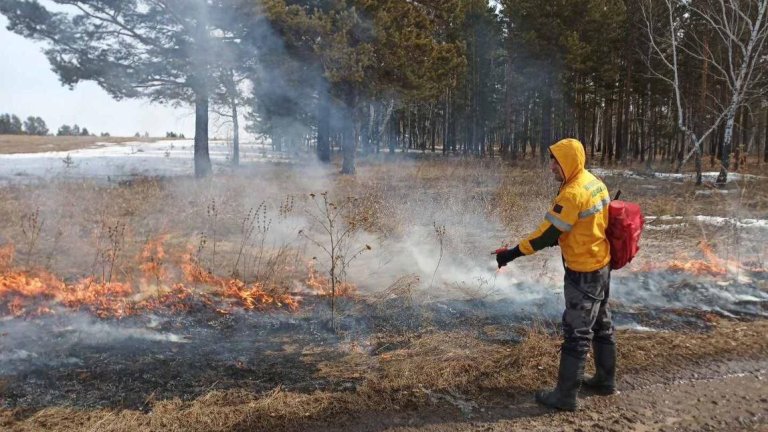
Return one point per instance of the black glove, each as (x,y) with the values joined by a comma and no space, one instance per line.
(509,255)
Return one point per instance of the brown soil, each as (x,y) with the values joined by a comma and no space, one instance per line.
(727,396)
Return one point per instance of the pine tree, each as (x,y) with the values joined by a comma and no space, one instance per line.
(166,52)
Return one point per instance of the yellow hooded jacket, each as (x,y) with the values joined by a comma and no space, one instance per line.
(580,212)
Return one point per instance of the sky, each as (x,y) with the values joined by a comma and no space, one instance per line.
(28,87)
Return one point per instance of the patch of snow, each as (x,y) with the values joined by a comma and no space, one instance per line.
(722,312)
(102,333)
(636,327)
(672,176)
(663,218)
(660,223)
(701,219)
(603,172)
(749,298)
(114,161)
(706,176)
(721,221)
(665,227)
(732,176)
(16,354)
(711,220)
(713,191)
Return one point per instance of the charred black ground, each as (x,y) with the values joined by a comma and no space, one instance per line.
(75,359)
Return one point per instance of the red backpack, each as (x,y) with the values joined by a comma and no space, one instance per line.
(625,224)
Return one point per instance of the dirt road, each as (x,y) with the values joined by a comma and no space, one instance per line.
(715,397)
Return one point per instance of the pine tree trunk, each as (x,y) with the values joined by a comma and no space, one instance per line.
(534,127)
(526,128)
(595,138)
(446,116)
(351,134)
(348,147)
(392,134)
(323,127)
(432,129)
(202,158)
(606,145)
(625,115)
(449,132)
(719,147)
(619,137)
(581,121)
(514,138)
(653,146)
(374,127)
(546,123)
(700,115)
(765,140)
(235,137)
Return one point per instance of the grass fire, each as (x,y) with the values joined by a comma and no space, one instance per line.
(170,303)
(406,216)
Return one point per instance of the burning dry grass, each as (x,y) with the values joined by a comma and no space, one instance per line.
(407,370)
(452,364)
(73,216)
(711,265)
(25,292)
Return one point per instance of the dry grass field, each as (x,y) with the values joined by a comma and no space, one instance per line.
(14,144)
(436,368)
(225,258)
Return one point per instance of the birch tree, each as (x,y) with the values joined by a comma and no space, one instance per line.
(730,44)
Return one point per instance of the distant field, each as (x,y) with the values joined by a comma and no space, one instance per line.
(11,144)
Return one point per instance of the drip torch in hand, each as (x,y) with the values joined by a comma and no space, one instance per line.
(505,255)
(500,250)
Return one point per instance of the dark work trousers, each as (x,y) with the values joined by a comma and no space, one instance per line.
(586,315)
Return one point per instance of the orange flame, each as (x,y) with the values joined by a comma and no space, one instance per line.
(151,258)
(6,256)
(321,285)
(22,292)
(712,265)
(253,296)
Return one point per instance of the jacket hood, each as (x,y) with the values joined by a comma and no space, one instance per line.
(569,153)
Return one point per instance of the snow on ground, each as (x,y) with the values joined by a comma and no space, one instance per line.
(708,220)
(665,227)
(741,223)
(115,161)
(706,176)
(714,192)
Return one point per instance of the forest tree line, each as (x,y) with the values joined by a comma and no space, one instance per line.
(653,81)
(11,124)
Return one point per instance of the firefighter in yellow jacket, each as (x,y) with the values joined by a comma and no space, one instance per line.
(577,222)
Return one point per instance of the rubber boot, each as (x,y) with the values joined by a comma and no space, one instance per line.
(563,397)
(604,381)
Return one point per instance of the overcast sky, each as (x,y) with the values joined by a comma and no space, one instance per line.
(29,87)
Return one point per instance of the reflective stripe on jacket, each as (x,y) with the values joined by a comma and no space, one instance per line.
(580,211)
